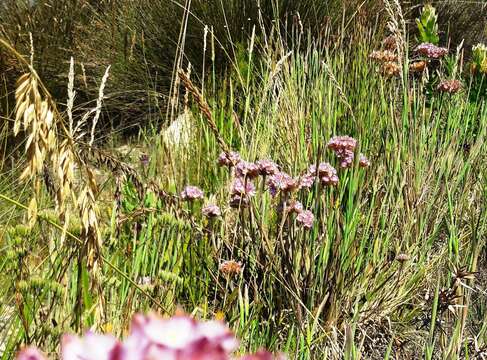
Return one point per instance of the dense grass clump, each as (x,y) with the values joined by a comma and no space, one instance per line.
(143,41)
(324,195)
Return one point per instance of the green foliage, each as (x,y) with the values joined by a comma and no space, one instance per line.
(479,59)
(478,72)
(428,25)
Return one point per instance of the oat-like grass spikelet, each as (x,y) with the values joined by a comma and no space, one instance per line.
(98,104)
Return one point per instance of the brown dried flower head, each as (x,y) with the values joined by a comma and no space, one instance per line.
(449,86)
(390,42)
(230,267)
(417,66)
(383,56)
(402,258)
(390,69)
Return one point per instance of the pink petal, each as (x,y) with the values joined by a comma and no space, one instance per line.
(30,353)
(90,347)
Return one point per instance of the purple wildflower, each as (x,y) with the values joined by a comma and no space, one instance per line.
(246,169)
(267,167)
(191,193)
(346,158)
(305,218)
(431,51)
(211,211)
(281,182)
(229,159)
(242,190)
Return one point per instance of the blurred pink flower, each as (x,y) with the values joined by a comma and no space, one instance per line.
(306,219)
(89,347)
(267,167)
(154,338)
(191,193)
(228,159)
(263,355)
(30,353)
(431,51)
(211,211)
(178,338)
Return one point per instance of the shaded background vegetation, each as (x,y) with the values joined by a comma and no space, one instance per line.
(140,40)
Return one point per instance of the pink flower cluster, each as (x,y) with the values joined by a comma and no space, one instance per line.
(344,148)
(304,217)
(267,167)
(211,211)
(281,182)
(229,159)
(431,51)
(191,193)
(325,172)
(154,338)
(245,169)
(242,190)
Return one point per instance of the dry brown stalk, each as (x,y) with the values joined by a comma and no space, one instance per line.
(204,108)
(35,117)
